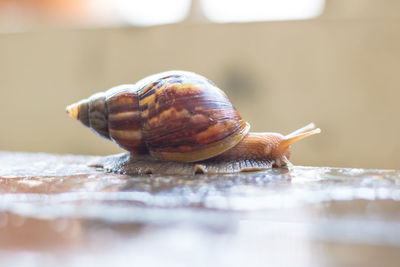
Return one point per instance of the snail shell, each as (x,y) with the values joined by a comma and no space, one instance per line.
(177,115)
(174,117)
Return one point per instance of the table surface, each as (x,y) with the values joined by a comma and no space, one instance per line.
(57,211)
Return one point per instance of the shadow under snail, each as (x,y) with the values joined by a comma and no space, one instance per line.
(180,122)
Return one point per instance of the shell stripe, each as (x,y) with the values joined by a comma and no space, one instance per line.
(124,101)
(127,136)
(127,120)
(148,91)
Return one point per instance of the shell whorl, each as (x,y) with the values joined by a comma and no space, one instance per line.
(124,120)
(175,115)
(185,117)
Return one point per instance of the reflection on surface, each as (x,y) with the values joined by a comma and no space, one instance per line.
(22,232)
(73,214)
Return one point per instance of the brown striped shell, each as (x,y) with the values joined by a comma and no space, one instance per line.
(176,115)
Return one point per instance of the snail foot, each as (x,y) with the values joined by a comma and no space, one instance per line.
(126,163)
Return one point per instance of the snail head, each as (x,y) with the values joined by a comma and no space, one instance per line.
(281,148)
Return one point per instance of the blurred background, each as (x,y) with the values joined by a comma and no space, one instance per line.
(282,63)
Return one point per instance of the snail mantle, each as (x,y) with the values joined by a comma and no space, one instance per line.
(180,122)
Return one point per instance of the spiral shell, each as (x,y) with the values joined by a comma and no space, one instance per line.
(176,115)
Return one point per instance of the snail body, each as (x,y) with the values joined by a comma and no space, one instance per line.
(180,116)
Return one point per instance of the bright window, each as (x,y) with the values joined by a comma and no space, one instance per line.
(152,12)
(261,10)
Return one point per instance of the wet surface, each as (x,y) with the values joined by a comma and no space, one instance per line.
(54,210)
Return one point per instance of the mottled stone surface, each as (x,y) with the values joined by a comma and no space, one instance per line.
(57,211)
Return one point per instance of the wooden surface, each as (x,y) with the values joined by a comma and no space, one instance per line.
(57,211)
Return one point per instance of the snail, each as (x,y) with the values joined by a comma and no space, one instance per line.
(180,120)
